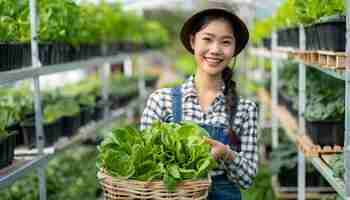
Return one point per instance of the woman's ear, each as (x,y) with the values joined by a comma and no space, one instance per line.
(192,41)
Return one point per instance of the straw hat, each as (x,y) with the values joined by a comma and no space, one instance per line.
(241,33)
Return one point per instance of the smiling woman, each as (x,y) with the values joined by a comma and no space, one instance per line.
(214,36)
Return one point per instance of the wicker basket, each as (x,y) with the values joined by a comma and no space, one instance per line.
(115,188)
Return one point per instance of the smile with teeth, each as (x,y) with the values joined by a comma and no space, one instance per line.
(212,60)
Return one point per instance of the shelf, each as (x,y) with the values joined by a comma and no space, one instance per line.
(328,174)
(86,132)
(291,127)
(336,73)
(20,168)
(29,72)
(27,160)
(268,54)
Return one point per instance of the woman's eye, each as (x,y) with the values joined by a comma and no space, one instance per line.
(206,39)
(227,42)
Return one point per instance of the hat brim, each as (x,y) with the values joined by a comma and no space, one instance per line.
(241,32)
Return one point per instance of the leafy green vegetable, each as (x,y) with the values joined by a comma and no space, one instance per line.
(167,151)
(338,165)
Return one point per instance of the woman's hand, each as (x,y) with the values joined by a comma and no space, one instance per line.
(220,150)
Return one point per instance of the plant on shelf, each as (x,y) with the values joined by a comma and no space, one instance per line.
(285,15)
(337,164)
(59,21)
(7,117)
(155,34)
(52,113)
(14,19)
(262,188)
(171,84)
(261,29)
(185,64)
(322,102)
(308,11)
(68,107)
(69,175)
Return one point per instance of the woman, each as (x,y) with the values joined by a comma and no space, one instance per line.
(214,36)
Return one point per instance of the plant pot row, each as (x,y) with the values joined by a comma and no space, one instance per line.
(328,34)
(322,132)
(65,126)
(326,133)
(14,56)
(24,133)
(288,37)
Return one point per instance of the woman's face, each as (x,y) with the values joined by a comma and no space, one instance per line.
(214,46)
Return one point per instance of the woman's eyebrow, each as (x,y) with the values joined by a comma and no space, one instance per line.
(223,37)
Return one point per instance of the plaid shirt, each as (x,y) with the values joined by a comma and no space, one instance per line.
(243,168)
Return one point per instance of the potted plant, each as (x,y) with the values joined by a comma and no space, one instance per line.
(71,116)
(52,126)
(325,108)
(7,139)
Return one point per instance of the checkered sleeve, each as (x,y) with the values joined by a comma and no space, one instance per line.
(154,109)
(243,168)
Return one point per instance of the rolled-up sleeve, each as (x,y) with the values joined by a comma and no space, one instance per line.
(244,167)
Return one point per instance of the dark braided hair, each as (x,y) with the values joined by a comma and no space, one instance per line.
(231,104)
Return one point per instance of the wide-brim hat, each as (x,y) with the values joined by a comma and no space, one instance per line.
(241,32)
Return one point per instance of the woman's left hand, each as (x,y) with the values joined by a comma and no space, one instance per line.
(220,150)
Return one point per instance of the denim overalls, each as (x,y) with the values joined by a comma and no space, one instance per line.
(222,188)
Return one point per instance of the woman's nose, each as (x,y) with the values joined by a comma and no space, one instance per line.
(215,48)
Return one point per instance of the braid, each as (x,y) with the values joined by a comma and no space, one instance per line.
(230,93)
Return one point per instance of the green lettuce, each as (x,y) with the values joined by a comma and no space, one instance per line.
(166,151)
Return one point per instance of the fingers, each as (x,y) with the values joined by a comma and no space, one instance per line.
(211,142)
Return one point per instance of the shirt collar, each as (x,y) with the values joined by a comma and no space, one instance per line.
(189,89)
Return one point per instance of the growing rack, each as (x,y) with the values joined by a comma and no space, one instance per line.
(296,129)
(39,157)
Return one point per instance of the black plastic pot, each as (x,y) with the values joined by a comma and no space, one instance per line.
(267,43)
(7,149)
(86,114)
(331,32)
(282,37)
(288,177)
(52,132)
(45,53)
(14,56)
(99,110)
(71,125)
(19,136)
(326,132)
(293,37)
(151,82)
(312,39)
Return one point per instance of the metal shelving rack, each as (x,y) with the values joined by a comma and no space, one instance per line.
(40,158)
(341,187)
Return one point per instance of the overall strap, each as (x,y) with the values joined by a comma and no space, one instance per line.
(176,96)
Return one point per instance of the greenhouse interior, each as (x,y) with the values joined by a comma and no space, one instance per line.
(242,72)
